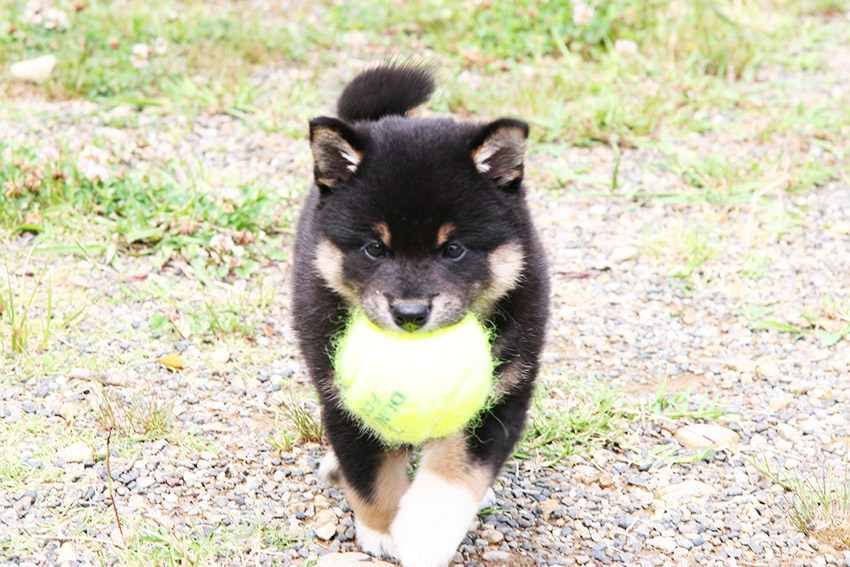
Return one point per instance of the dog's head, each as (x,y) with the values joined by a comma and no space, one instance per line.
(419,221)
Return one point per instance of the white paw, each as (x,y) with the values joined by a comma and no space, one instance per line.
(374,542)
(329,468)
(432,520)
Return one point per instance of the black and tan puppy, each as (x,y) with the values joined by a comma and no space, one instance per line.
(417,222)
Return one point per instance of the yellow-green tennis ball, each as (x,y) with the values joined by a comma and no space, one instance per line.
(410,387)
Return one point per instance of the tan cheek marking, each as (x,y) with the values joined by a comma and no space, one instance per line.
(328,262)
(391,484)
(506,265)
(383,232)
(449,459)
(445,233)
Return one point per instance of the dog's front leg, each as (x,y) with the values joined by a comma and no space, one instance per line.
(373,476)
(436,511)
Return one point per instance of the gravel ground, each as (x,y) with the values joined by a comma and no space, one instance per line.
(618,315)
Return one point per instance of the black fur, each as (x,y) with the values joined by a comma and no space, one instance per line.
(407,86)
(416,176)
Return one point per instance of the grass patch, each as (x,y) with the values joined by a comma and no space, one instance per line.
(688,249)
(16,305)
(183,53)
(154,211)
(140,416)
(31,444)
(301,424)
(718,37)
(594,72)
(153,544)
(819,506)
(579,415)
(828,320)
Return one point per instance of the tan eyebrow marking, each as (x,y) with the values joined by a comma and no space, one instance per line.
(445,233)
(383,231)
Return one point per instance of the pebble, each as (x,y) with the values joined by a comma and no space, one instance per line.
(350,560)
(780,402)
(664,543)
(67,553)
(683,492)
(326,531)
(547,507)
(36,70)
(77,452)
(79,373)
(623,254)
(767,369)
(70,410)
(789,433)
(498,556)
(492,536)
(706,436)
(220,355)
(586,474)
(799,387)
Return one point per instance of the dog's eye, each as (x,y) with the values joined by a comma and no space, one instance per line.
(453,251)
(375,250)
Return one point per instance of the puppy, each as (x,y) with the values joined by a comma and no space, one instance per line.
(417,221)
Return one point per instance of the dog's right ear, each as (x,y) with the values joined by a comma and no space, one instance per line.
(337,151)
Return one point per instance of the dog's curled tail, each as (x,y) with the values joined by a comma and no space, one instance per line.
(385,91)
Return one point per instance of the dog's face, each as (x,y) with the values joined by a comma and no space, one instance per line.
(417,219)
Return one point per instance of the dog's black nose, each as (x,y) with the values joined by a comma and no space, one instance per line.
(410,316)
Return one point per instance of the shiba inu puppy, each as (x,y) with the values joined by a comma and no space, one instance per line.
(416,222)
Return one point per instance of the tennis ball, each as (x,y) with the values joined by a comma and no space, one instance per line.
(410,387)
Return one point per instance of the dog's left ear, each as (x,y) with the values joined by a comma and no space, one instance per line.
(498,150)
(337,151)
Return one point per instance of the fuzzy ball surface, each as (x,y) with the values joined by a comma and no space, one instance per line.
(411,387)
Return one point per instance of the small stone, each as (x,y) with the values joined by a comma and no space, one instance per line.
(35,70)
(606,480)
(841,227)
(220,355)
(586,474)
(145,482)
(757,440)
(789,433)
(799,387)
(321,502)
(682,492)
(70,410)
(766,368)
(623,254)
(664,543)
(326,532)
(326,516)
(492,536)
(79,373)
(706,436)
(547,507)
(353,559)
(67,553)
(780,403)
(78,452)
(497,556)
